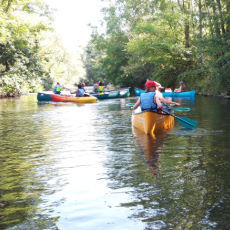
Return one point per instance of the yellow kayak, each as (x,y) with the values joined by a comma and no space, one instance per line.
(152,122)
(65,98)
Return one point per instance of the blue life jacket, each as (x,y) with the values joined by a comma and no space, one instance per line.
(80,93)
(147,101)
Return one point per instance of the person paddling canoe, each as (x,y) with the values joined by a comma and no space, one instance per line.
(149,100)
(160,95)
(153,99)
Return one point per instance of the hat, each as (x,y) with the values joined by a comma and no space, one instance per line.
(150,84)
(58,83)
(158,84)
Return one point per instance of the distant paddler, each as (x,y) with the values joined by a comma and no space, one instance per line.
(100,88)
(58,88)
(79,92)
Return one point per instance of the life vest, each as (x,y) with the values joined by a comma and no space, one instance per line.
(147,101)
(57,89)
(100,89)
(80,93)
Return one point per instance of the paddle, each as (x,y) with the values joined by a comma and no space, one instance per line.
(130,104)
(184,121)
(183,109)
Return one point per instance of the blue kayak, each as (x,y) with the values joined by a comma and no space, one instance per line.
(190,93)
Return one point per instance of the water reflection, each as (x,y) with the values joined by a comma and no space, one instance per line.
(150,148)
(65,166)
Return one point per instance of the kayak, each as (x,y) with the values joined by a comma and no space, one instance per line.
(44,97)
(65,98)
(107,95)
(122,93)
(152,122)
(190,93)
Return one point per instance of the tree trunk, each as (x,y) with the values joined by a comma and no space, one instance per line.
(216,24)
(201,26)
(209,20)
(187,34)
(221,16)
(228,16)
(8,5)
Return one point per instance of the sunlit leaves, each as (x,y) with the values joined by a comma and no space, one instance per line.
(21,26)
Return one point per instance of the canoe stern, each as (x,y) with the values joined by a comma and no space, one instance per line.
(151,122)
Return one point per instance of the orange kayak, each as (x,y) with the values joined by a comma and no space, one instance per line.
(65,98)
(152,122)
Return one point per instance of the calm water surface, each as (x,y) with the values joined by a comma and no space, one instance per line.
(67,166)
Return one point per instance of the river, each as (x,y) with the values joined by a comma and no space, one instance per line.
(67,166)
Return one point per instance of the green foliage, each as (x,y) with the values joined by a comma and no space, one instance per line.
(10,85)
(167,41)
(20,64)
(106,57)
(31,56)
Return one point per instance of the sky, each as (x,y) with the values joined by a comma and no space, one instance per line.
(72,17)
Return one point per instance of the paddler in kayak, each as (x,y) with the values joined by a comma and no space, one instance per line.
(182,88)
(149,100)
(100,88)
(79,92)
(58,88)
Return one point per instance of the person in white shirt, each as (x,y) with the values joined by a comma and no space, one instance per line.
(160,96)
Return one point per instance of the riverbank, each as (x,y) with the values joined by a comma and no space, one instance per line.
(225,96)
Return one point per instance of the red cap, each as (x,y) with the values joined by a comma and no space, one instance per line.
(58,83)
(150,84)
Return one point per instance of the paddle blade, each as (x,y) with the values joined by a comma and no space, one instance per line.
(182,109)
(187,122)
(130,104)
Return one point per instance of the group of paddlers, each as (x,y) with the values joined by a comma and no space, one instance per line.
(80,92)
(152,99)
(98,88)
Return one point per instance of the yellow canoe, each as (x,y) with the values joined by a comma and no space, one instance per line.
(152,122)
